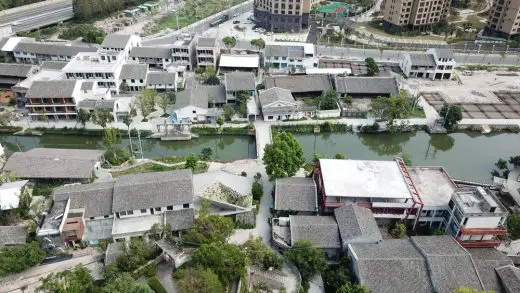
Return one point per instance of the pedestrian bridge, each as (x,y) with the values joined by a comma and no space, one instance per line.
(263,138)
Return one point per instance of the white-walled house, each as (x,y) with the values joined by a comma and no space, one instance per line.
(134,76)
(193,104)
(118,43)
(155,57)
(36,52)
(433,64)
(237,82)
(54,99)
(278,104)
(282,56)
(162,80)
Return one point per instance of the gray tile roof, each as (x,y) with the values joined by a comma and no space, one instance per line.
(322,231)
(367,85)
(275,94)
(486,261)
(180,219)
(16,70)
(54,163)
(158,189)
(510,277)
(450,265)
(13,235)
(52,49)
(53,65)
(206,42)
(200,96)
(392,266)
(96,198)
(115,41)
(52,89)
(300,83)
(284,51)
(87,85)
(422,59)
(239,81)
(444,53)
(97,104)
(160,78)
(357,224)
(151,52)
(295,194)
(134,71)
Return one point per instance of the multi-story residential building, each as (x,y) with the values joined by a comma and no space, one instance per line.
(237,82)
(133,76)
(11,74)
(504,18)
(119,43)
(434,64)
(283,15)
(183,51)
(414,13)
(287,56)
(36,52)
(155,57)
(53,99)
(126,207)
(162,81)
(207,52)
(49,70)
(103,67)
(476,218)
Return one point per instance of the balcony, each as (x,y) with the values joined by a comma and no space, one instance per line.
(484,231)
(479,244)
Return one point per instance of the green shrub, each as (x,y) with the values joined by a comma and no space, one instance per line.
(243,174)
(148,271)
(257,190)
(156,286)
(325,127)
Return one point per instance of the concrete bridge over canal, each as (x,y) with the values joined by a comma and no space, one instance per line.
(263,137)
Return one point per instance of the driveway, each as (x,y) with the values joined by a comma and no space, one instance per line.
(164,274)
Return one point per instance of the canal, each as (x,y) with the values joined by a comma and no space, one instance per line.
(465,155)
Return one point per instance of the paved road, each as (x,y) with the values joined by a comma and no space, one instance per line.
(359,54)
(36,16)
(198,27)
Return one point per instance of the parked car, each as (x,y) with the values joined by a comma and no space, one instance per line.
(236,21)
(235,14)
(467,73)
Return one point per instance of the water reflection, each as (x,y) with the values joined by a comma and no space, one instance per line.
(386,144)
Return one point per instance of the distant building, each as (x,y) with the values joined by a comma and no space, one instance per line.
(121,43)
(11,74)
(284,16)
(163,81)
(236,82)
(366,87)
(278,104)
(194,104)
(134,76)
(289,56)
(239,62)
(183,51)
(301,86)
(503,19)
(155,57)
(53,100)
(417,14)
(33,52)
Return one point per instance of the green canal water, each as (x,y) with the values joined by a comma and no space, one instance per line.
(465,155)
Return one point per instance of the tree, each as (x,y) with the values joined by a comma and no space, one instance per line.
(242,99)
(372,68)
(283,157)
(18,258)
(228,112)
(163,101)
(212,79)
(124,283)
(227,261)
(258,43)
(147,102)
(112,140)
(515,161)
(336,275)
(452,114)
(340,156)
(329,101)
(124,88)
(390,108)
(353,288)
(172,97)
(127,120)
(24,205)
(309,260)
(513,226)
(210,229)
(257,190)
(229,42)
(501,164)
(82,116)
(102,117)
(200,70)
(156,231)
(195,280)
(206,154)
(76,280)
(135,255)
(192,161)
(262,255)
(220,121)
(142,288)
(398,231)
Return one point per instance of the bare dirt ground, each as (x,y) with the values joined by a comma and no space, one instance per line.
(477,88)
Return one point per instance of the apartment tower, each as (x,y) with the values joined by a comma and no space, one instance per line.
(414,13)
(504,18)
(283,15)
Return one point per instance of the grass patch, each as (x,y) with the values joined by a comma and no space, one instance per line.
(476,22)
(44,189)
(417,113)
(151,167)
(170,160)
(43,33)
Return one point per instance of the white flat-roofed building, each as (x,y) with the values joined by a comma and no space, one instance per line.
(103,67)
(47,74)
(385,187)
(183,51)
(236,62)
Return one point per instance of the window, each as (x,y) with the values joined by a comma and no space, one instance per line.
(106,216)
(186,206)
(92,218)
(122,213)
(465,221)
(169,208)
(141,81)
(102,57)
(157,209)
(132,80)
(194,111)
(143,211)
(269,117)
(130,212)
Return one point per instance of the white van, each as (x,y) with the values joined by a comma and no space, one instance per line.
(467,73)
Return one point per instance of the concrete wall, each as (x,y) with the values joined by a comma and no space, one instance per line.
(482,222)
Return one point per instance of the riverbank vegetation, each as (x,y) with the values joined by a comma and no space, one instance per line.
(503,167)
(312,128)
(152,167)
(205,130)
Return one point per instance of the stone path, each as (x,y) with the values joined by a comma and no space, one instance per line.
(263,138)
